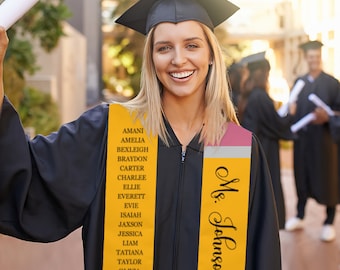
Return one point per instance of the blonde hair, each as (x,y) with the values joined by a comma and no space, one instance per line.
(219,108)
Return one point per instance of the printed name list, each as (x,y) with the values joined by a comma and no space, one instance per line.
(135,186)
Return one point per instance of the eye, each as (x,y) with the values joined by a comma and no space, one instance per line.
(192,46)
(164,48)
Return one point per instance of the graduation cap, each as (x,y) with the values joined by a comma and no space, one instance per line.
(145,14)
(255,61)
(311,45)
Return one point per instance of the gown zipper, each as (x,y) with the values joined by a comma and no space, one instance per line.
(183,156)
(179,210)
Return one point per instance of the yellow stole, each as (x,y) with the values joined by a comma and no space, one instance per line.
(131,197)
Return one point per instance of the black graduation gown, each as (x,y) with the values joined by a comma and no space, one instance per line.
(260,117)
(334,123)
(52,185)
(315,153)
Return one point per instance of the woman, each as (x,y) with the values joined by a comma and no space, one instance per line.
(99,167)
(258,114)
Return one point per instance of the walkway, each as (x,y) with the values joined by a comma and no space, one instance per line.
(303,250)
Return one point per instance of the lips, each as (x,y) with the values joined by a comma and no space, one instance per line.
(181,75)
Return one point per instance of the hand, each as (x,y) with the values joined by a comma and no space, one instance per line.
(3,44)
(3,48)
(321,116)
(292,108)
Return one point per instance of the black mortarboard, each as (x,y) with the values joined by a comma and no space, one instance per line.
(254,61)
(311,45)
(256,57)
(147,13)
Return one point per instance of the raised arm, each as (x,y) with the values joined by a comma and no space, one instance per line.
(3,47)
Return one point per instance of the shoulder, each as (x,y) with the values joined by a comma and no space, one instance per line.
(303,78)
(97,112)
(101,107)
(236,135)
(330,83)
(94,117)
(260,97)
(329,78)
(259,93)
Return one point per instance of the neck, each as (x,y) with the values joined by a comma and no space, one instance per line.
(186,119)
(314,73)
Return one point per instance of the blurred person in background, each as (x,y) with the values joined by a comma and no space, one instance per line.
(257,113)
(315,152)
(235,74)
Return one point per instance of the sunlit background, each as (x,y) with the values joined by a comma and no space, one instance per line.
(274,26)
(98,60)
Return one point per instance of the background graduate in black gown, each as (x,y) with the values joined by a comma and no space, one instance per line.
(315,153)
(235,73)
(257,113)
(52,185)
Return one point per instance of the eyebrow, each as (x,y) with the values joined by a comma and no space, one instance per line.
(186,40)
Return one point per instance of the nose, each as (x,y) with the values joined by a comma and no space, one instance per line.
(179,57)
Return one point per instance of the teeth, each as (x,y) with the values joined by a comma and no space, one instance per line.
(182,75)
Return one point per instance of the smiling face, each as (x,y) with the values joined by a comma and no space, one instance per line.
(181,56)
(313,58)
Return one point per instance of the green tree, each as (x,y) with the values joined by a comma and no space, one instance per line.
(125,52)
(44,22)
(37,110)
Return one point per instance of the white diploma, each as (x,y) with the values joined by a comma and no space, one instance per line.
(319,103)
(283,110)
(296,91)
(304,121)
(13,10)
